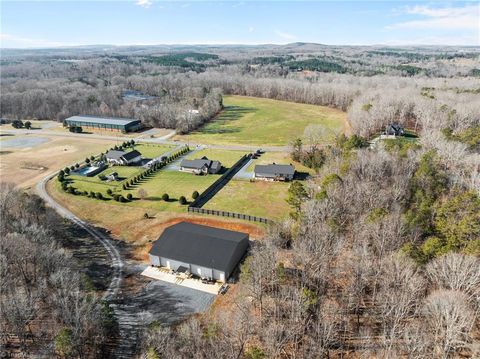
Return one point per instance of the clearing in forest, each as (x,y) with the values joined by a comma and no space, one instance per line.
(266,122)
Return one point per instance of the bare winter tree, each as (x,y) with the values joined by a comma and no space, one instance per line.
(458,272)
(450,319)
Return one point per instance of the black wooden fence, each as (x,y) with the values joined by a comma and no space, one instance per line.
(215,187)
(214,212)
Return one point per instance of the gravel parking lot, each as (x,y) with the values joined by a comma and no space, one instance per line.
(173,302)
(159,300)
(156,301)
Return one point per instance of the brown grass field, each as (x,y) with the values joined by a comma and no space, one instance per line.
(27,166)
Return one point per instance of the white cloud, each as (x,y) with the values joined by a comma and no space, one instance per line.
(13,41)
(144,3)
(465,17)
(285,35)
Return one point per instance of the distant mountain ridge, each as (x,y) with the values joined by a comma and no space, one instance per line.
(254,50)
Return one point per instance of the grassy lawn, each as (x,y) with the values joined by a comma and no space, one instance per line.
(150,150)
(95,184)
(174,183)
(259,198)
(263,199)
(258,121)
(227,158)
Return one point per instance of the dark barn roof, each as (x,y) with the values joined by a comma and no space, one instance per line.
(274,169)
(201,245)
(131,155)
(115,154)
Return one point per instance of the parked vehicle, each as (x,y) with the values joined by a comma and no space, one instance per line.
(223,289)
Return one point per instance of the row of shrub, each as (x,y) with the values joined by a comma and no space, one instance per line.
(119,197)
(124,145)
(98,195)
(179,153)
(181,199)
(155,167)
(73,190)
(128,183)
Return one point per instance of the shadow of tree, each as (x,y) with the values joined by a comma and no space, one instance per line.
(301,176)
(159,198)
(230,113)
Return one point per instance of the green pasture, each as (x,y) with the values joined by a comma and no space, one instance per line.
(150,150)
(260,198)
(227,158)
(263,122)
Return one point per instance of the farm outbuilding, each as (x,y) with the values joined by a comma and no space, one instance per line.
(204,251)
(104,123)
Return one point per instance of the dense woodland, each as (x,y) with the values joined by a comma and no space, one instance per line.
(65,83)
(380,259)
(381,254)
(47,306)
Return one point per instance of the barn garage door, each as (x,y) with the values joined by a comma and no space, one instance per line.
(172,264)
(202,271)
(154,260)
(218,275)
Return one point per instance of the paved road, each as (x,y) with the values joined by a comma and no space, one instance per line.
(243,174)
(117,261)
(123,349)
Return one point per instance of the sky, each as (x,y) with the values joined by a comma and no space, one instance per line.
(40,24)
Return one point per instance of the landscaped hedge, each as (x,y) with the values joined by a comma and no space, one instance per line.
(127,183)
